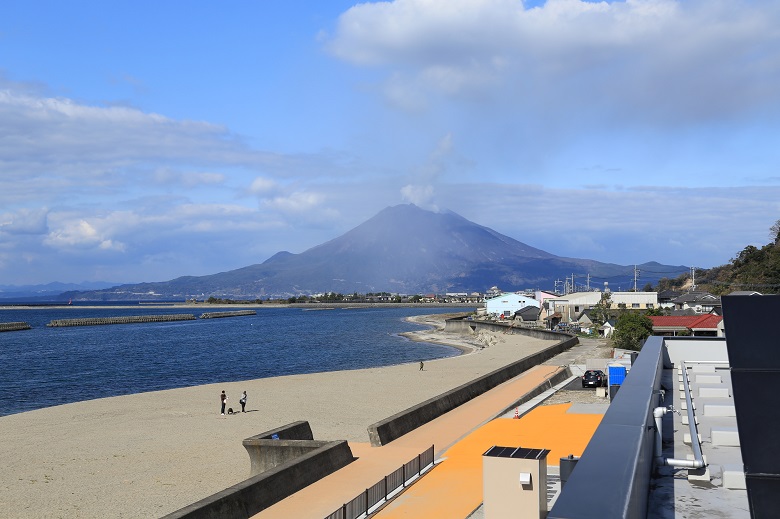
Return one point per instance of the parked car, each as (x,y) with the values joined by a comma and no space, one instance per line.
(594,378)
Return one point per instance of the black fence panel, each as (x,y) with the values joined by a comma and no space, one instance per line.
(376,493)
(395,479)
(379,491)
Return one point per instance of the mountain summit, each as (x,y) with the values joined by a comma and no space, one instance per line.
(403,249)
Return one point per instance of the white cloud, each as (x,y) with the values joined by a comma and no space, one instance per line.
(81,235)
(25,221)
(263,186)
(187,179)
(657,61)
(296,202)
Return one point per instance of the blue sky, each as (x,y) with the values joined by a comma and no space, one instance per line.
(142,141)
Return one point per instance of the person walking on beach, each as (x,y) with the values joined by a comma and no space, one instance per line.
(223,398)
(242,401)
(421,365)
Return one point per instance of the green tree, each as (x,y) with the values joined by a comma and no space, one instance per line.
(631,330)
(656,311)
(600,311)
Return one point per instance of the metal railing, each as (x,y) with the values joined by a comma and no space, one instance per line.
(379,492)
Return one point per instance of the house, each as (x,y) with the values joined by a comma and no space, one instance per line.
(542,297)
(553,320)
(529,313)
(507,304)
(607,329)
(665,298)
(571,305)
(699,302)
(707,325)
(745,293)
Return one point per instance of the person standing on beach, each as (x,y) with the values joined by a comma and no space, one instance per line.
(223,398)
(421,365)
(242,401)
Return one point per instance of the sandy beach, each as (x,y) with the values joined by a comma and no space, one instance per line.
(149,454)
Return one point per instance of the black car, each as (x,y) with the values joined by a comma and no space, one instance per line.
(594,378)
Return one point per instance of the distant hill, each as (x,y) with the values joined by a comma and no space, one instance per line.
(753,268)
(48,291)
(403,249)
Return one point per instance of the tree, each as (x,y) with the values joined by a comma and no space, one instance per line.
(774,232)
(648,287)
(631,330)
(600,311)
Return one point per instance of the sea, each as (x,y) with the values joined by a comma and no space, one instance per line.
(48,366)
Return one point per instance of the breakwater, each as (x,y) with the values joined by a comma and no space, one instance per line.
(235,313)
(13,327)
(127,319)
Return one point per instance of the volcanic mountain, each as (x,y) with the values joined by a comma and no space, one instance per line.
(404,249)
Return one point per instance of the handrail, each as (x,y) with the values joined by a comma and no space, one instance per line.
(365,501)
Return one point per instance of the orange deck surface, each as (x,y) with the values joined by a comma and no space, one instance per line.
(453,489)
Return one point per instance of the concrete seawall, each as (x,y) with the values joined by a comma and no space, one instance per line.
(461,325)
(305,462)
(13,327)
(98,321)
(393,427)
(236,313)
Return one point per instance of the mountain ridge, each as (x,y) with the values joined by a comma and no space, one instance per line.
(402,249)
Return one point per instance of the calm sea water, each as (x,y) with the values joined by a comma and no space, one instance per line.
(45,366)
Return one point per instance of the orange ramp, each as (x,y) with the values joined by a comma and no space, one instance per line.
(454,487)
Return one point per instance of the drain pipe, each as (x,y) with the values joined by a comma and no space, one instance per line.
(658,413)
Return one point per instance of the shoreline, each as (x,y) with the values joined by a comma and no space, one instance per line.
(149,454)
(254,306)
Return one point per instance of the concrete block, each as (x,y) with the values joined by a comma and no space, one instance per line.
(702,368)
(714,392)
(725,436)
(601,392)
(684,419)
(682,389)
(734,477)
(687,438)
(719,410)
(684,406)
(708,379)
(702,474)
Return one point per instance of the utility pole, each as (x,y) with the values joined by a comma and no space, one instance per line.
(693,279)
(636,275)
(588,281)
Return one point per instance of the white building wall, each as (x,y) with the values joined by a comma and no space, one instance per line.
(572,304)
(507,304)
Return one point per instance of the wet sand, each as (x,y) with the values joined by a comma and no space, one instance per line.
(149,454)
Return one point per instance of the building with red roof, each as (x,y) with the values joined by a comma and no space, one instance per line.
(707,325)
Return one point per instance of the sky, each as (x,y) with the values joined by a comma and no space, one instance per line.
(143,141)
